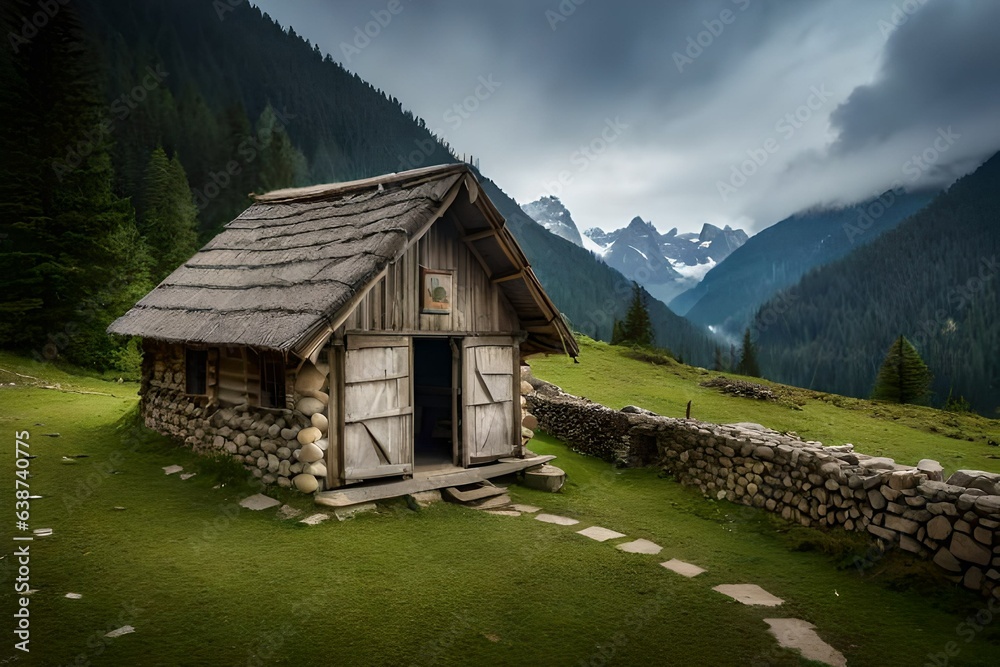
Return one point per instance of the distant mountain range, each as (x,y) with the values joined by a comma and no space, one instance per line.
(664,264)
(777,257)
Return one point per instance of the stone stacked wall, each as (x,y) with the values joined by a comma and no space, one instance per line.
(286,447)
(278,446)
(955,524)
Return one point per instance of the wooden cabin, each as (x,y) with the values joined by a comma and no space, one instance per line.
(350,332)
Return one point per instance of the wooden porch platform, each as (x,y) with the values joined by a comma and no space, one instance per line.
(436,479)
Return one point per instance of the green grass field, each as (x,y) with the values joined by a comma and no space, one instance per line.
(206,584)
(607,374)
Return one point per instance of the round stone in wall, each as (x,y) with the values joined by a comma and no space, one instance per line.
(310,406)
(310,453)
(311,434)
(318,469)
(320,421)
(309,379)
(305,483)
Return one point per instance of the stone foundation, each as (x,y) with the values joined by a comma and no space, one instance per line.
(286,446)
(954,524)
(275,445)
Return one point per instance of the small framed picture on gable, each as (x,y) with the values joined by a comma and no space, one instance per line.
(436,294)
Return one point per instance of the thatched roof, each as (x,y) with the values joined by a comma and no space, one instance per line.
(292,266)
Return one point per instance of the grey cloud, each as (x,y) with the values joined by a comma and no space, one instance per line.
(941,67)
(686,129)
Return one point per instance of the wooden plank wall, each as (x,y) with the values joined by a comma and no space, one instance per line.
(232,380)
(394,303)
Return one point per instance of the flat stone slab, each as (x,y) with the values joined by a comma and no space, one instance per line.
(749,594)
(288,512)
(640,547)
(494,503)
(426,498)
(42,532)
(503,512)
(345,513)
(74,596)
(682,568)
(259,502)
(801,635)
(558,520)
(315,519)
(188,475)
(527,509)
(170,470)
(124,630)
(599,534)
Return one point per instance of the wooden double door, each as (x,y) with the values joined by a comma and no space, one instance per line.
(378,404)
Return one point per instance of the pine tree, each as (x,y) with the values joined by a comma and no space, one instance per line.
(637,329)
(282,165)
(66,222)
(618,333)
(904,377)
(717,364)
(169,220)
(748,357)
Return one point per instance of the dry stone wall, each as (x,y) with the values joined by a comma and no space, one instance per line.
(286,447)
(278,446)
(954,523)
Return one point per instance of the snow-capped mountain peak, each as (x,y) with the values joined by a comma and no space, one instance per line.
(550,213)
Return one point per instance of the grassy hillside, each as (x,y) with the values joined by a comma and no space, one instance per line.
(205,583)
(607,374)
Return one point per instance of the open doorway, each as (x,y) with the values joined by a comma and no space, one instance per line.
(432,403)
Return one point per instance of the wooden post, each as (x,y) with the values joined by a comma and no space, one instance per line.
(335,414)
(687,415)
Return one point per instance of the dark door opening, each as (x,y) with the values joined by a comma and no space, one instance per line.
(432,402)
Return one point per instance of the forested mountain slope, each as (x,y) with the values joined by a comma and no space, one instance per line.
(778,256)
(934,279)
(131,129)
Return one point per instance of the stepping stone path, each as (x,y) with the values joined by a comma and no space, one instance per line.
(170,470)
(640,547)
(74,596)
(790,632)
(749,594)
(798,634)
(42,532)
(315,519)
(124,630)
(345,513)
(599,534)
(288,512)
(682,568)
(259,502)
(558,520)
(188,475)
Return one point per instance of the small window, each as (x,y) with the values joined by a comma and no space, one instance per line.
(272,381)
(196,372)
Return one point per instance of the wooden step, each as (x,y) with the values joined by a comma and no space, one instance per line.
(484,490)
(382,489)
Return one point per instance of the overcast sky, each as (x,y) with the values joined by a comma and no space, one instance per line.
(733,112)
